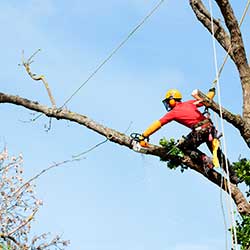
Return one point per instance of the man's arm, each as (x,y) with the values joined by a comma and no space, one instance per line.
(152,128)
(210,95)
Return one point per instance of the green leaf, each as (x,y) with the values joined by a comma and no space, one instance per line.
(173,150)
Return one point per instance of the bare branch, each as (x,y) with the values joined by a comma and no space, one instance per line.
(35,77)
(236,120)
(118,137)
(234,46)
(10,238)
(238,49)
(27,183)
(25,222)
(91,149)
(205,18)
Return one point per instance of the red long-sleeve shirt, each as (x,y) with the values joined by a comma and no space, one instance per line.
(185,113)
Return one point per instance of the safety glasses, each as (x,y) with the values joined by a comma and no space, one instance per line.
(165,103)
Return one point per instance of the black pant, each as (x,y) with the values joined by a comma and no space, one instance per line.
(205,135)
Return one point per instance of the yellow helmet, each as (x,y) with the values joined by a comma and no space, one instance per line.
(171,97)
(173,93)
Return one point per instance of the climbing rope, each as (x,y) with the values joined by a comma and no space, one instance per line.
(231,212)
(113,52)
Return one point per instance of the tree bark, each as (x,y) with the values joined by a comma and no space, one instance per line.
(204,17)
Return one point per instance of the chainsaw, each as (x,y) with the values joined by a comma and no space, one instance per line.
(139,143)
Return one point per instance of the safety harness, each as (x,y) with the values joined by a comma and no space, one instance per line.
(213,136)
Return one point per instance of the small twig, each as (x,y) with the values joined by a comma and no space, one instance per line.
(3,236)
(25,222)
(27,183)
(92,148)
(128,128)
(26,65)
(33,55)
(99,144)
(47,128)
(32,120)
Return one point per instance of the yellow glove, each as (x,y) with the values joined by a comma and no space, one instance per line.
(152,128)
(215,146)
(211,93)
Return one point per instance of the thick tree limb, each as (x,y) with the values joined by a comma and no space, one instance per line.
(240,58)
(124,140)
(236,37)
(204,17)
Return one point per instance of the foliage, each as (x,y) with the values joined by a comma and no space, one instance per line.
(18,207)
(242,169)
(173,150)
(243,232)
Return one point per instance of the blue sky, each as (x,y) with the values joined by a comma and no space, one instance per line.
(115,198)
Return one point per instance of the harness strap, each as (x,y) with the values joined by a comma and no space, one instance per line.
(199,124)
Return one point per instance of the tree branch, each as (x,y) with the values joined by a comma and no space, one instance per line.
(204,17)
(35,77)
(240,58)
(5,237)
(236,120)
(238,49)
(124,140)
(25,222)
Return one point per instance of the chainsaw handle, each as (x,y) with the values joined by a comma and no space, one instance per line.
(137,137)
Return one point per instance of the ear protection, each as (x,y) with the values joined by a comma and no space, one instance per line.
(171,101)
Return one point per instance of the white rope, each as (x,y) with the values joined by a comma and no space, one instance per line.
(234,240)
(224,215)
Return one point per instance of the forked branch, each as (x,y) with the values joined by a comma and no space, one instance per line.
(35,77)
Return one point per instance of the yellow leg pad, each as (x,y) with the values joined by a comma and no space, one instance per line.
(215,146)
(152,128)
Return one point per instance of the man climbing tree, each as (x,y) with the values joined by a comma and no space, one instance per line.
(228,34)
(203,130)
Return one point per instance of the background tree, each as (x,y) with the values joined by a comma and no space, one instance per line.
(19,205)
(229,36)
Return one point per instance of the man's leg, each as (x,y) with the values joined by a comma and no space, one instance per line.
(190,145)
(224,163)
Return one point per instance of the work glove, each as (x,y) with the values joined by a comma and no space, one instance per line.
(152,128)
(211,93)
